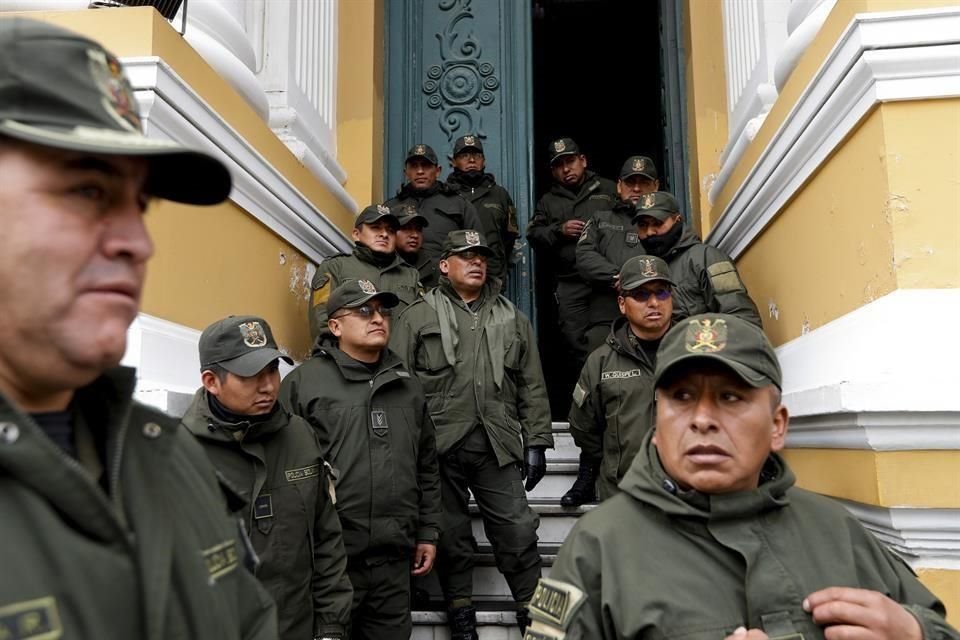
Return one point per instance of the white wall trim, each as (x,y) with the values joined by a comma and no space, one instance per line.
(907,55)
(172,109)
(877,431)
(925,538)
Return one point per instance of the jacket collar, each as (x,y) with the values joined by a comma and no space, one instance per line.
(204,424)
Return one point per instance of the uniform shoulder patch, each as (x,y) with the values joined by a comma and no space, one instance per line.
(579,395)
(724,277)
(36,619)
(322,286)
(552,608)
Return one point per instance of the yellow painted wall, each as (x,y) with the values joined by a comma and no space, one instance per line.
(946,585)
(884,479)
(360,81)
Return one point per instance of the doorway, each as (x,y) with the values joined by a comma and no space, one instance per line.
(597,78)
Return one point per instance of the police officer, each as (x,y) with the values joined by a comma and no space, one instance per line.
(613,401)
(475,354)
(558,219)
(441,204)
(114,524)
(710,539)
(374,258)
(274,460)
(410,240)
(481,189)
(706,278)
(609,239)
(372,421)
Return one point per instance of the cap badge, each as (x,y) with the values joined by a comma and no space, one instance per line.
(420,149)
(648,200)
(639,164)
(469,140)
(559,146)
(649,271)
(472,238)
(117,97)
(253,334)
(382,210)
(706,336)
(367,287)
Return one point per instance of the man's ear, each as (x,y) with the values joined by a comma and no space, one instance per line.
(334,325)
(781,420)
(444,266)
(355,234)
(210,382)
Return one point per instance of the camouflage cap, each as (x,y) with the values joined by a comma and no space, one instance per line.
(356,293)
(659,204)
(640,270)
(465,240)
(62,90)
(739,345)
(376,212)
(243,345)
(421,150)
(639,166)
(467,142)
(562,147)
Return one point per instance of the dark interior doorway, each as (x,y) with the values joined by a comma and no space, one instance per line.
(597,79)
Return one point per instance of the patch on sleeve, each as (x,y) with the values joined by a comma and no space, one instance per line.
(321,289)
(579,395)
(586,230)
(724,277)
(221,559)
(332,475)
(31,620)
(295,475)
(553,606)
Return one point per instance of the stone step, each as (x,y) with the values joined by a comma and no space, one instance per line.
(555,521)
(491,625)
(489,586)
(564,448)
(559,478)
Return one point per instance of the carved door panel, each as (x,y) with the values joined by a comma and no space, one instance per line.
(456,67)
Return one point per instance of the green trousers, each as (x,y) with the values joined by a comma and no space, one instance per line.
(381,599)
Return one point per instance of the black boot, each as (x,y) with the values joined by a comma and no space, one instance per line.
(463,623)
(523,618)
(584,489)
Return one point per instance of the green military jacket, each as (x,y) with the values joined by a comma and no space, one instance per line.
(278,469)
(445,210)
(158,558)
(557,206)
(465,394)
(707,281)
(387,273)
(426,268)
(613,405)
(373,426)
(487,195)
(659,562)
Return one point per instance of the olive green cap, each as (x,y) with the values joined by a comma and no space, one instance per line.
(62,90)
(639,166)
(640,270)
(563,147)
(659,204)
(376,212)
(465,240)
(243,345)
(741,346)
(422,151)
(466,142)
(412,215)
(356,293)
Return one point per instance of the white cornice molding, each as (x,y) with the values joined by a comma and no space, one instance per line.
(171,109)
(925,538)
(877,431)
(908,55)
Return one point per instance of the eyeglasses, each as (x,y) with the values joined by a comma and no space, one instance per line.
(469,255)
(366,312)
(642,295)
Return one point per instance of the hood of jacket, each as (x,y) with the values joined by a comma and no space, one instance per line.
(688,239)
(648,482)
(202,423)
(353,370)
(458,178)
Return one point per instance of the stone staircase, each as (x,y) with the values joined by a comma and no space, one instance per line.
(495,615)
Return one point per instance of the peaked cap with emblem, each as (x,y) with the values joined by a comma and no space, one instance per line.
(421,150)
(739,345)
(407,214)
(465,240)
(659,204)
(376,212)
(467,142)
(243,345)
(62,90)
(356,293)
(639,166)
(640,270)
(562,147)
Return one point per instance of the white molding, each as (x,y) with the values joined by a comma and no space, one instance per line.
(925,538)
(172,109)
(876,431)
(908,55)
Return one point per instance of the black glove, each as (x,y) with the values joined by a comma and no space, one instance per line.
(534,466)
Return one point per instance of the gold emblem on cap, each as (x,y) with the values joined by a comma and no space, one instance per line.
(706,336)
(559,146)
(649,270)
(253,334)
(420,149)
(648,200)
(383,210)
(116,95)
(469,140)
(367,287)
(472,238)
(639,164)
